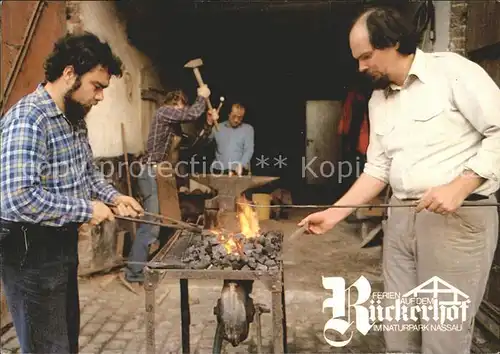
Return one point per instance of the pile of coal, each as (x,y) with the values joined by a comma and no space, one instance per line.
(261,253)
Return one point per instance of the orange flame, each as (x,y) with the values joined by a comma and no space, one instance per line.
(231,245)
(249,226)
(249,222)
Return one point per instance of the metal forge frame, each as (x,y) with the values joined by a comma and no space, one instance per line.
(158,268)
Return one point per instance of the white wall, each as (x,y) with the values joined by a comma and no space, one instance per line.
(442,43)
(443,9)
(122,99)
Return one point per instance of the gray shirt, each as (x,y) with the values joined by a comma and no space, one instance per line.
(234,146)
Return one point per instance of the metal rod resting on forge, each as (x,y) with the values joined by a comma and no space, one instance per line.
(185,225)
(179,226)
(357,206)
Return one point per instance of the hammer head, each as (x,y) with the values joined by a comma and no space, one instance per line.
(194,63)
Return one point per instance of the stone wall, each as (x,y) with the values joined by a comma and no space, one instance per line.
(122,99)
(458,26)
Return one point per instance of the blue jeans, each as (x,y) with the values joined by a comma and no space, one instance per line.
(39,274)
(146,234)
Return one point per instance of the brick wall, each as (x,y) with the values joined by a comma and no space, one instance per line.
(458,26)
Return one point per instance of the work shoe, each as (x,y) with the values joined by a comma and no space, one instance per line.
(133,286)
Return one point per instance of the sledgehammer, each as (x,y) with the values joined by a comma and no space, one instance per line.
(195,64)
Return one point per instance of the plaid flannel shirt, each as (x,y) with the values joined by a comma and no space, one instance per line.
(165,124)
(47,176)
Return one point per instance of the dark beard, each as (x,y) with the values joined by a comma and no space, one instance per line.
(75,112)
(380,83)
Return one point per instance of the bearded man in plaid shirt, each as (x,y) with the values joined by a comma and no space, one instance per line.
(49,186)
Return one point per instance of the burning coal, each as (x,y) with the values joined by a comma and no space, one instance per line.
(248,249)
(262,253)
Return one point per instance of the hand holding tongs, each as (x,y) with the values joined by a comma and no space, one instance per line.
(176,224)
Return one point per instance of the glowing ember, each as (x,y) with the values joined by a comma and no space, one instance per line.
(249,225)
(262,253)
(231,245)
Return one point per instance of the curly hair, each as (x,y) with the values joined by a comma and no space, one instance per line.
(83,52)
(174,97)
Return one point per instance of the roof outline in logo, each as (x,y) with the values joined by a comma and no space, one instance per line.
(435,280)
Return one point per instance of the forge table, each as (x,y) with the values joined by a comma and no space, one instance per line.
(167,263)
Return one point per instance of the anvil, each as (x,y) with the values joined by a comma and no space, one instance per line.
(229,188)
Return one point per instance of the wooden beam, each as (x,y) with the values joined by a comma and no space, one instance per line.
(16,68)
(489,52)
(483,24)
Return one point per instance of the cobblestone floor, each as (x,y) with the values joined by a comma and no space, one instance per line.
(113,318)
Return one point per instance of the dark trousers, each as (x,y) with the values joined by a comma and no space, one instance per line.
(39,274)
(147,234)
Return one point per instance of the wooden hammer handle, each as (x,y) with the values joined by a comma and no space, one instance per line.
(200,83)
(220,106)
(198,76)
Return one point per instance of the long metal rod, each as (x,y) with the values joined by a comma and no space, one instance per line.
(141,221)
(158,216)
(358,206)
(185,225)
(185,316)
(298,232)
(127,171)
(150,302)
(283,306)
(258,313)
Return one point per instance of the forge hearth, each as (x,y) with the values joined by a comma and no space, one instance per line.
(238,252)
(236,265)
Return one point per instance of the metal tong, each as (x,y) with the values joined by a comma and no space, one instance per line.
(173,223)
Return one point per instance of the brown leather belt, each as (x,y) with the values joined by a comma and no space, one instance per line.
(470,198)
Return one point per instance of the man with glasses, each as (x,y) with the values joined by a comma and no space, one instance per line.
(234,143)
